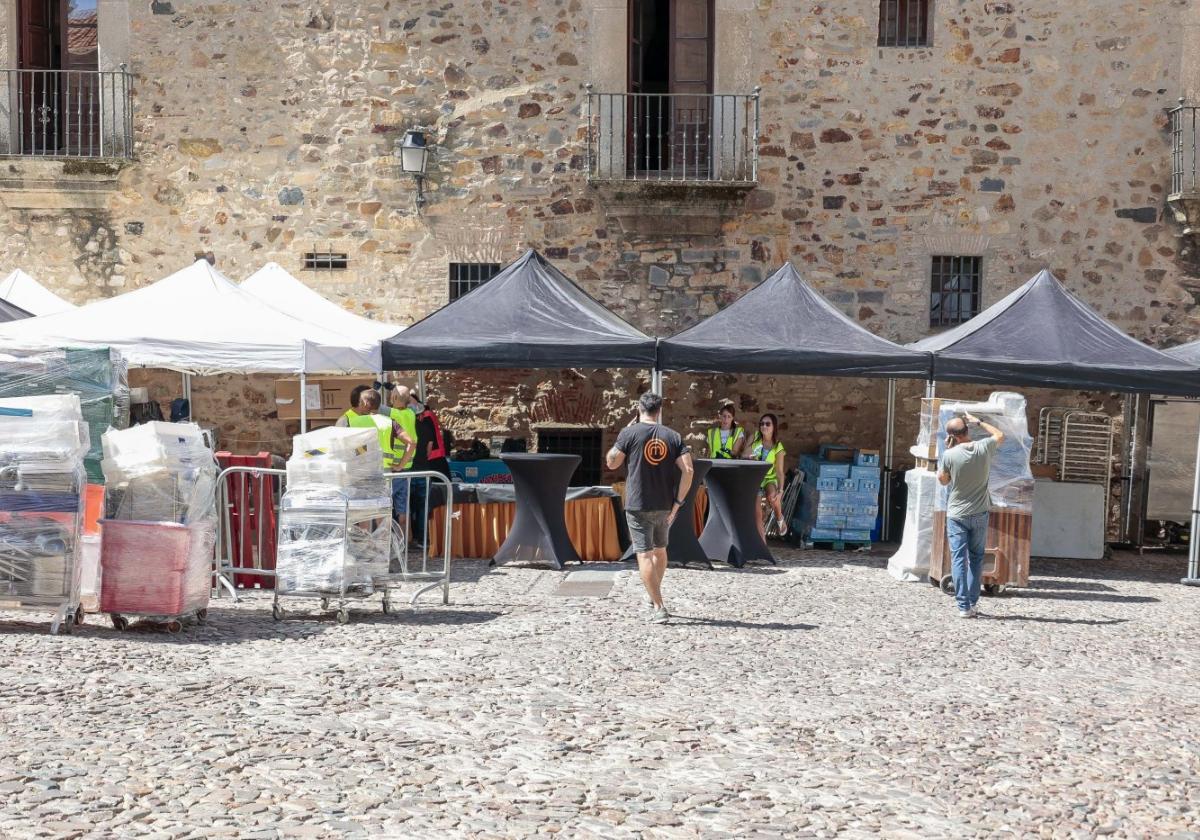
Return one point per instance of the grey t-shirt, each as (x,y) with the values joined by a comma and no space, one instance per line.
(968,465)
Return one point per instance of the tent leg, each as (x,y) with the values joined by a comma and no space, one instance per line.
(888,444)
(421,387)
(930,389)
(303,403)
(187,393)
(1193,573)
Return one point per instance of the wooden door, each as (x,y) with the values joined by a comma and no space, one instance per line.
(39,50)
(691,73)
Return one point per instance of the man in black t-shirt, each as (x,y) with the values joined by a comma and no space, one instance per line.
(659,476)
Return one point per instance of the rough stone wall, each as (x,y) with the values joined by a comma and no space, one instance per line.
(1031,133)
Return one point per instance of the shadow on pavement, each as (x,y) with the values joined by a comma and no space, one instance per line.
(1051,595)
(746,625)
(1096,622)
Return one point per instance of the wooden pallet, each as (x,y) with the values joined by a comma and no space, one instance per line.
(840,545)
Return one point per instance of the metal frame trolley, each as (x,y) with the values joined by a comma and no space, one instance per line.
(41,528)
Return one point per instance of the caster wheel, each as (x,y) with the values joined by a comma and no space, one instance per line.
(343,616)
(78,616)
(324,603)
(68,625)
(174,626)
(948,584)
(119,622)
(276,612)
(387,607)
(201,616)
(991,589)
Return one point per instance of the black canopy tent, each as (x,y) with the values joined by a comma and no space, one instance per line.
(1042,336)
(530,315)
(784,326)
(12,312)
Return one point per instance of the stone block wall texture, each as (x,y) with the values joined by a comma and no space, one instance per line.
(1030,133)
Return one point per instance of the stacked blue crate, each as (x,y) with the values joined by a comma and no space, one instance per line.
(839,501)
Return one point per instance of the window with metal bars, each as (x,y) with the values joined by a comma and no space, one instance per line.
(954,290)
(467,276)
(582,442)
(904,23)
(325,261)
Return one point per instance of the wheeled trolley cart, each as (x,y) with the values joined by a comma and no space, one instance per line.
(159,572)
(334,544)
(1006,551)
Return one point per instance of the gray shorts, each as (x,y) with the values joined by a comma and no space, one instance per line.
(647,529)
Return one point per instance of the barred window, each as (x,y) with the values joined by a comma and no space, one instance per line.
(955,290)
(573,441)
(325,261)
(904,23)
(467,276)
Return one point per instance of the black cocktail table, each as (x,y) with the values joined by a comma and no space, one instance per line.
(731,533)
(539,529)
(682,545)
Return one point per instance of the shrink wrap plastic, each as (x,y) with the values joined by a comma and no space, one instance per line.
(911,560)
(1011,481)
(42,443)
(335,457)
(331,541)
(159,472)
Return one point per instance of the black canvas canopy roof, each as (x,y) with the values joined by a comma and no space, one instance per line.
(783,326)
(11,312)
(1043,336)
(530,315)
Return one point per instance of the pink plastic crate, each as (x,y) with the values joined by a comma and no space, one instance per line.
(154,568)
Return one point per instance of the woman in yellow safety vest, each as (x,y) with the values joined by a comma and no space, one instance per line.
(393,440)
(766,447)
(726,439)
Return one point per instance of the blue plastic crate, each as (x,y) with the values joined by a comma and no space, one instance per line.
(829,483)
(849,485)
(860,522)
(862,498)
(867,485)
(867,457)
(826,470)
(861,510)
(830,522)
(825,534)
(864,472)
(856,535)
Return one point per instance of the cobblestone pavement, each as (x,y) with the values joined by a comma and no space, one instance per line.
(812,699)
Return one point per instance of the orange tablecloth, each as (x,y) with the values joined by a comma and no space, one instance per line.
(480,529)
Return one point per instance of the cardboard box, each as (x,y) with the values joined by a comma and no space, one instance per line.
(331,393)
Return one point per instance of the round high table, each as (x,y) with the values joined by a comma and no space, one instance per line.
(682,546)
(539,530)
(731,533)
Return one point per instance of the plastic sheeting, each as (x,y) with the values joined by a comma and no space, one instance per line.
(333,541)
(911,560)
(274,285)
(160,472)
(785,327)
(23,291)
(159,569)
(527,316)
(197,321)
(335,457)
(1043,336)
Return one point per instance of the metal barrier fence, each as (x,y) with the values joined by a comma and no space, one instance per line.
(66,113)
(248,531)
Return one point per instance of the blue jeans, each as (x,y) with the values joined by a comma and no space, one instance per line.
(968,538)
(399,497)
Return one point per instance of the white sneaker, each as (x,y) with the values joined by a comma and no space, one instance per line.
(661,616)
(966,614)
(974,611)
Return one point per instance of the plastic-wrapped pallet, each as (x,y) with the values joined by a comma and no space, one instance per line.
(336,457)
(911,560)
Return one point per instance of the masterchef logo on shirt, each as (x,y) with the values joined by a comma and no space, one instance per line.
(655,451)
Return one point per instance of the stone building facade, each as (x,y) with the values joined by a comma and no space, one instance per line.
(1026,134)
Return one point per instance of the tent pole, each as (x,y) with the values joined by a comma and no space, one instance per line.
(930,389)
(421,387)
(888,444)
(1193,573)
(187,393)
(303,403)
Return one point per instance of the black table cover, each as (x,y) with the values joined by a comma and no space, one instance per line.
(539,530)
(731,533)
(682,545)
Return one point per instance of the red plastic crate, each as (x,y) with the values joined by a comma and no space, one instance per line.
(155,568)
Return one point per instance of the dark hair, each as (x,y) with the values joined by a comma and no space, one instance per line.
(650,403)
(369,398)
(726,406)
(774,427)
(354,394)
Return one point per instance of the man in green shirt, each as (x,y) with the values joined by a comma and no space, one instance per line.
(965,468)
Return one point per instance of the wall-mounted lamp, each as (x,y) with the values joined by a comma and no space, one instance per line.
(414,158)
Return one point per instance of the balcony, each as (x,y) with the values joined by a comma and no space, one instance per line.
(681,139)
(1184,195)
(64,114)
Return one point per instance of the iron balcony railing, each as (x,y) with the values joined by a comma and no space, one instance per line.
(682,138)
(1184,175)
(66,113)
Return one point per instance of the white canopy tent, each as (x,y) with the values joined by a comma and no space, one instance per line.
(276,286)
(198,322)
(23,291)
